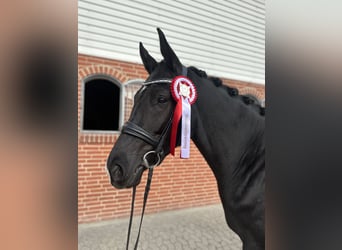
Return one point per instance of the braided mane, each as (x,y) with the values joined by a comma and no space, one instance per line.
(234,92)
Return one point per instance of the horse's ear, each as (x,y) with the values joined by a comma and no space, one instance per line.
(169,55)
(147,59)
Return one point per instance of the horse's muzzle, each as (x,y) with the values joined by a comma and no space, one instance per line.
(120,178)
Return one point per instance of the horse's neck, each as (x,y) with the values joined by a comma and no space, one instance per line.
(226,131)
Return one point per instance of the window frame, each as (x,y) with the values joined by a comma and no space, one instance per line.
(121,103)
(137,81)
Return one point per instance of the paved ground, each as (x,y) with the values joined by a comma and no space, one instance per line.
(195,228)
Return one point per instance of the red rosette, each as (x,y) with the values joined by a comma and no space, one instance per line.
(183,86)
(180,86)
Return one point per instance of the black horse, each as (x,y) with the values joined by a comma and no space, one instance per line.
(227,128)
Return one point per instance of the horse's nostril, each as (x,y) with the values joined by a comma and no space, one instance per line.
(117,172)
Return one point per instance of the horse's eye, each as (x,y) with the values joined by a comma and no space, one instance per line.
(162,99)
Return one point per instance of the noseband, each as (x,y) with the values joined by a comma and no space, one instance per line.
(132,129)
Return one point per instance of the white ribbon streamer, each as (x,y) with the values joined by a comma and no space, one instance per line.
(186,126)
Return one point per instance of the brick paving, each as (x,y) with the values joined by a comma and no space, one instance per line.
(194,228)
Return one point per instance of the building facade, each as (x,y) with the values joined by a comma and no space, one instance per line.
(226,39)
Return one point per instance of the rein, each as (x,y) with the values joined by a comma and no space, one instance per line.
(147,189)
(132,129)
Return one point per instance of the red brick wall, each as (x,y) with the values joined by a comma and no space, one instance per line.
(176,183)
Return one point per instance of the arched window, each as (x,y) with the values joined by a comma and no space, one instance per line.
(102,104)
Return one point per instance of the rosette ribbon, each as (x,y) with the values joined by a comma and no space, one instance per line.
(184,93)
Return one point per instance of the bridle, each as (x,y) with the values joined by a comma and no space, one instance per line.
(132,129)
(157,142)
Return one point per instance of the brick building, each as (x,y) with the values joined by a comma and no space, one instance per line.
(110,72)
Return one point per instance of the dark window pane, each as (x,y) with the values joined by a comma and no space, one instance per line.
(101,105)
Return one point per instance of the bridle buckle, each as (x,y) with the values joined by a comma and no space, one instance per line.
(151,159)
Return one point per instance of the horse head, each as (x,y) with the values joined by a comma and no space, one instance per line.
(144,140)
